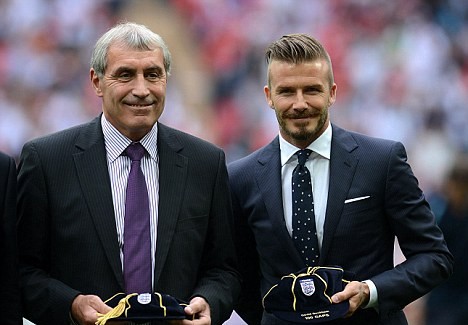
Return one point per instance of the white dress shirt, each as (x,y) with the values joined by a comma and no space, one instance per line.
(319,167)
(119,168)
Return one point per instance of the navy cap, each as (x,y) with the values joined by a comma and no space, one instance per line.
(305,296)
(143,307)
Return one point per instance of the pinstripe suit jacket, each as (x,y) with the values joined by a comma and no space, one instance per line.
(67,232)
(359,235)
(10,313)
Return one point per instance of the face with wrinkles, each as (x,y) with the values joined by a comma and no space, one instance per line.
(133,89)
(300,94)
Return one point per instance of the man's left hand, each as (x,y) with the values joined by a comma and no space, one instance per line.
(199,310)
(356,292)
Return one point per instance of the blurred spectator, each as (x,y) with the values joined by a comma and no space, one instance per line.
(448,304)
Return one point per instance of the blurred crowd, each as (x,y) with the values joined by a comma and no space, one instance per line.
(45,48)
(401,67)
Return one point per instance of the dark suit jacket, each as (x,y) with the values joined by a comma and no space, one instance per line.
(67,231)
(359,236)
(10,312)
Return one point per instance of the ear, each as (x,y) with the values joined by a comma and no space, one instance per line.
(332,98)
(95,82)
(267,92)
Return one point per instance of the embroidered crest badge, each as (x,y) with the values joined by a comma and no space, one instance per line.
(307,286)
(144,298)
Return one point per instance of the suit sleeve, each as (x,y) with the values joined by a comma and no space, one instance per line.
(40,291)
(220,282)
(9,289)
(248,306)
(428,260)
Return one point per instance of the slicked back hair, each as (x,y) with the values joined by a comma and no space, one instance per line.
(296,49)
(132,35)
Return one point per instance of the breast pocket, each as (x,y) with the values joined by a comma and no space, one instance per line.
(359,204)
(361,215)
(192,223)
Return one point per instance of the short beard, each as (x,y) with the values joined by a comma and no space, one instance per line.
(303,135)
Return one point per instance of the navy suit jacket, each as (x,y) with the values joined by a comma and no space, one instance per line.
(10,313)
(358,236)
(67,232)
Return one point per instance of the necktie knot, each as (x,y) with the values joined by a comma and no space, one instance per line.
(135,151)
(303,155)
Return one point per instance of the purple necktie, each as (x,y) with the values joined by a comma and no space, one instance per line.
(137,239)
(303,220)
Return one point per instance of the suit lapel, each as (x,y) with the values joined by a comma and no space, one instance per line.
(172,178)
(268,175)
(342,167)
(93,175)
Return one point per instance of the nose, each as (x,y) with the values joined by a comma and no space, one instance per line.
(140,88)
(299,101)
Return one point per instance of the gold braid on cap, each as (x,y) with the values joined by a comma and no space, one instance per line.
(122,306)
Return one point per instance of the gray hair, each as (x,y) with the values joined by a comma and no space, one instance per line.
(133,35)
(298,48)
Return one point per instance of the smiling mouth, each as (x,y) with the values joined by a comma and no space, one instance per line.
(140,105)
(302,117)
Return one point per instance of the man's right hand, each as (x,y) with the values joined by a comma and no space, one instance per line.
(85,309)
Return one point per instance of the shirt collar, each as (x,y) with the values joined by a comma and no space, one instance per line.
(321,146)
(116,142)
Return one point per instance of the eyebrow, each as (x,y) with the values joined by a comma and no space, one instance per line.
(317,86)
(131,69)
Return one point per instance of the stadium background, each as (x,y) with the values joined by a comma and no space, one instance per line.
(401,67)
